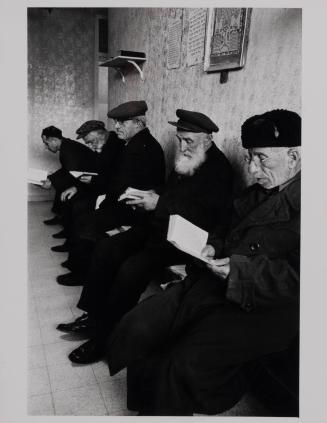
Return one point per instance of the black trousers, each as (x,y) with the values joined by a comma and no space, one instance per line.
(122,267)
(89,228)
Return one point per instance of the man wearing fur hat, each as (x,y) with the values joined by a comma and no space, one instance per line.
(195,348)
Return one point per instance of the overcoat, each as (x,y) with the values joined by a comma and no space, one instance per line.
(73,155)
(193,348)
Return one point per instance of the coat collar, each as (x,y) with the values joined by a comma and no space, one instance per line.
(260,207)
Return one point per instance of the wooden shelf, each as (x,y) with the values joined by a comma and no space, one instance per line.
(120,62)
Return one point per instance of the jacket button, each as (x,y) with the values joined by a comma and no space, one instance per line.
(255,246)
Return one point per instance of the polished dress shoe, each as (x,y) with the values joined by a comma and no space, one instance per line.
(87,353)
(53,221)
(60,235)
(61,248)
(66,264)
(70,279)
(82,325)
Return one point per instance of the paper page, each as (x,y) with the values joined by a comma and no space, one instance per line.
(36,176)
(99,200)
(77,173)
(186,236)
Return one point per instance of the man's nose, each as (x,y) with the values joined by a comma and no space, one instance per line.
(253,167)
(183,146)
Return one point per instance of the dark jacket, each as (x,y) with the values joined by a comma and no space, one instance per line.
(72,156)
(140,164)
(264,247)
(204,198)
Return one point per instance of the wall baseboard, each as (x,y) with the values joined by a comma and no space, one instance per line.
(39,194)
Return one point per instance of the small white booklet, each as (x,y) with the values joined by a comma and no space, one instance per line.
(187,237)
(78,174)
(36,176)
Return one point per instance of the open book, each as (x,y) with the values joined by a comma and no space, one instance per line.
(36,176)
(131,194)
(187,237)
(78,174)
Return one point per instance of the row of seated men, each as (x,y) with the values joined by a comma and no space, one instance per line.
(194,347)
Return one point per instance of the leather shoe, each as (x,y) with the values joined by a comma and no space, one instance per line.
(66,264)
(69,279)
(61,248)
(60,235)
(53,221)
(87,353)
(83,324)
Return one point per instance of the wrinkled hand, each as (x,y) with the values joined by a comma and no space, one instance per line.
(86,179)
(68,193)
(208,252)
(147,200)
(220,267)
(46,184)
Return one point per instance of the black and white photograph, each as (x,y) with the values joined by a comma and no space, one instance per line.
(163,269)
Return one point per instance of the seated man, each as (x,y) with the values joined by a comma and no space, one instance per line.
(80,197)
(200,190)
(140,165)
(193,348)
(72,156)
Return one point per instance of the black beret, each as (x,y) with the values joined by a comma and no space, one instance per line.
(194,122)
(128,110)
(89,126)
(52,131)
(277,128)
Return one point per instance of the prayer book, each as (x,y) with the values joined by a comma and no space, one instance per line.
(78,174)
(187,237)
(36,176)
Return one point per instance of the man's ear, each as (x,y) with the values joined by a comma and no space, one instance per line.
(294,155)
(208,141)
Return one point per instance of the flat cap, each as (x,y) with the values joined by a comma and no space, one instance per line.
(194,122)
(277,128)
(128,110)
(52,131)
(89,126)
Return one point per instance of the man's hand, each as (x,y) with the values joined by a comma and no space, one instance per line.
(68,193)
(208,252)
(220,267)
(86,179)
(46,184)
(147,200)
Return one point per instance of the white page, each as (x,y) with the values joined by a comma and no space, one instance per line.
(36,176)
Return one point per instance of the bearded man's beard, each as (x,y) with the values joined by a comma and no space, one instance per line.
(188,164)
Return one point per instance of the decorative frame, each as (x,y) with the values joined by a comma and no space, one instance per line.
(227,38)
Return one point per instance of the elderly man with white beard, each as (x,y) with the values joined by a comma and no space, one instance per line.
(199,189)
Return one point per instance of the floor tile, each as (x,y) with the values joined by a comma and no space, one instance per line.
(115,397)
(40,405)
(101,371)
(68,376)
(34,336)
(86,401)
(57,353)
(36,357)
(38,381)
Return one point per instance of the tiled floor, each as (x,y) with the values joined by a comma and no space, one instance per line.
(55,385)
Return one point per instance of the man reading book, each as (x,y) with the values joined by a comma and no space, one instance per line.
(196,347)
(199,189)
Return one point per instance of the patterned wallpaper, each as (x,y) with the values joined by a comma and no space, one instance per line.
(271,77)
(60,76)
